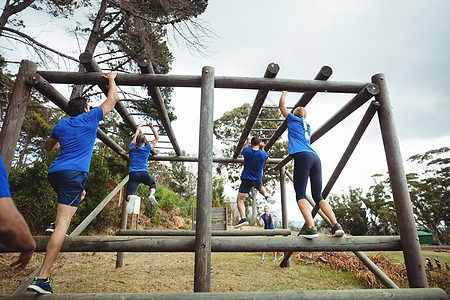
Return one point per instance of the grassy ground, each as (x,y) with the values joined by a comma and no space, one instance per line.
(174,272)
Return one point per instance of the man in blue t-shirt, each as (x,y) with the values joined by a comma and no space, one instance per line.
(254,159)
(75,137)
(14,231)
(267,219)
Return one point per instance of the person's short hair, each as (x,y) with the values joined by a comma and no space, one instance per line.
(255,141)
(266,206)
(76,106)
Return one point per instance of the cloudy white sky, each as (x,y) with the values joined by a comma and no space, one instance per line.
(408,41)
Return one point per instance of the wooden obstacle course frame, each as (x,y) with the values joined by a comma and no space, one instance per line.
(208,82)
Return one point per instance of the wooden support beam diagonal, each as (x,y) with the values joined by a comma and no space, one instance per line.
(271,72)
(91,65)
(147,68)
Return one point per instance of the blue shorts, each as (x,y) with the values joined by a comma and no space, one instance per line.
(247,184)
(68,185)
(137,177)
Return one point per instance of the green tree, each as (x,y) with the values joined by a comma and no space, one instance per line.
(350,211)
(218,196)
(6,85)
(381,212)
(430,192)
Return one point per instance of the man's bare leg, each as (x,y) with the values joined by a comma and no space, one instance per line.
(63,217)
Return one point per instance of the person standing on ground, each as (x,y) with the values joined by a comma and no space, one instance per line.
(75,136)
(254,159)
(267,219)
(14,231)
(138,152)
(306,165)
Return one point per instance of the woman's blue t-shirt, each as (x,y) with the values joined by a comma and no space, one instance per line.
(296,135)
(4,184)
(76,137)
(139,157)
(253,163)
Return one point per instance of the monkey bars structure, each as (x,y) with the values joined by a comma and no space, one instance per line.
(205,240)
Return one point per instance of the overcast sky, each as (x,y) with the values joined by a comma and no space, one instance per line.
(408,41)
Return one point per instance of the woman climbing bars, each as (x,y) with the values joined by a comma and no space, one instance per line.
(138,171)
(306,164)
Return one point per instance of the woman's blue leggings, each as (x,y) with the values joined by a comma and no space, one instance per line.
(307,164)
(137,177)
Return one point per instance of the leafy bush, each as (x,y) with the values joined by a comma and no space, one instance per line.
(37,201)
(168,201)
(33,195)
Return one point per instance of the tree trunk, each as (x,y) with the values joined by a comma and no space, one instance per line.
(92,43)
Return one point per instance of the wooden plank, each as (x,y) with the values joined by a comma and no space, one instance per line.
(219,244)
(237,232)
(367,294)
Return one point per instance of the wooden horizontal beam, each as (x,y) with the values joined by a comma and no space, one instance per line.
(225,160)
(219,244)
(259,232)
(367,294)
(231,82)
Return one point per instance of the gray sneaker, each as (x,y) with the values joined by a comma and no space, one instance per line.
(309,233)
(153,200)
(337,230)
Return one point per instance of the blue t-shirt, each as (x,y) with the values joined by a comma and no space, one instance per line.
(4,184)
(253,163)
(76,137)
(139,157)
(296,135)
(268,222)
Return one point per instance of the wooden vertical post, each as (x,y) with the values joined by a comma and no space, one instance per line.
(253,194)
(403,208)
(202,274)
(284,215)
(15,113)
(123,221)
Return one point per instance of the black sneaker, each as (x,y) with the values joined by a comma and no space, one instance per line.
(241,222)
(337,231)
(51,228)
(309,233)
(41,286)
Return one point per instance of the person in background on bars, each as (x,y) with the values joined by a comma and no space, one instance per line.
(14,231)
(306,165)
(254,159)
(75,137)
(267,219)
(138,152)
